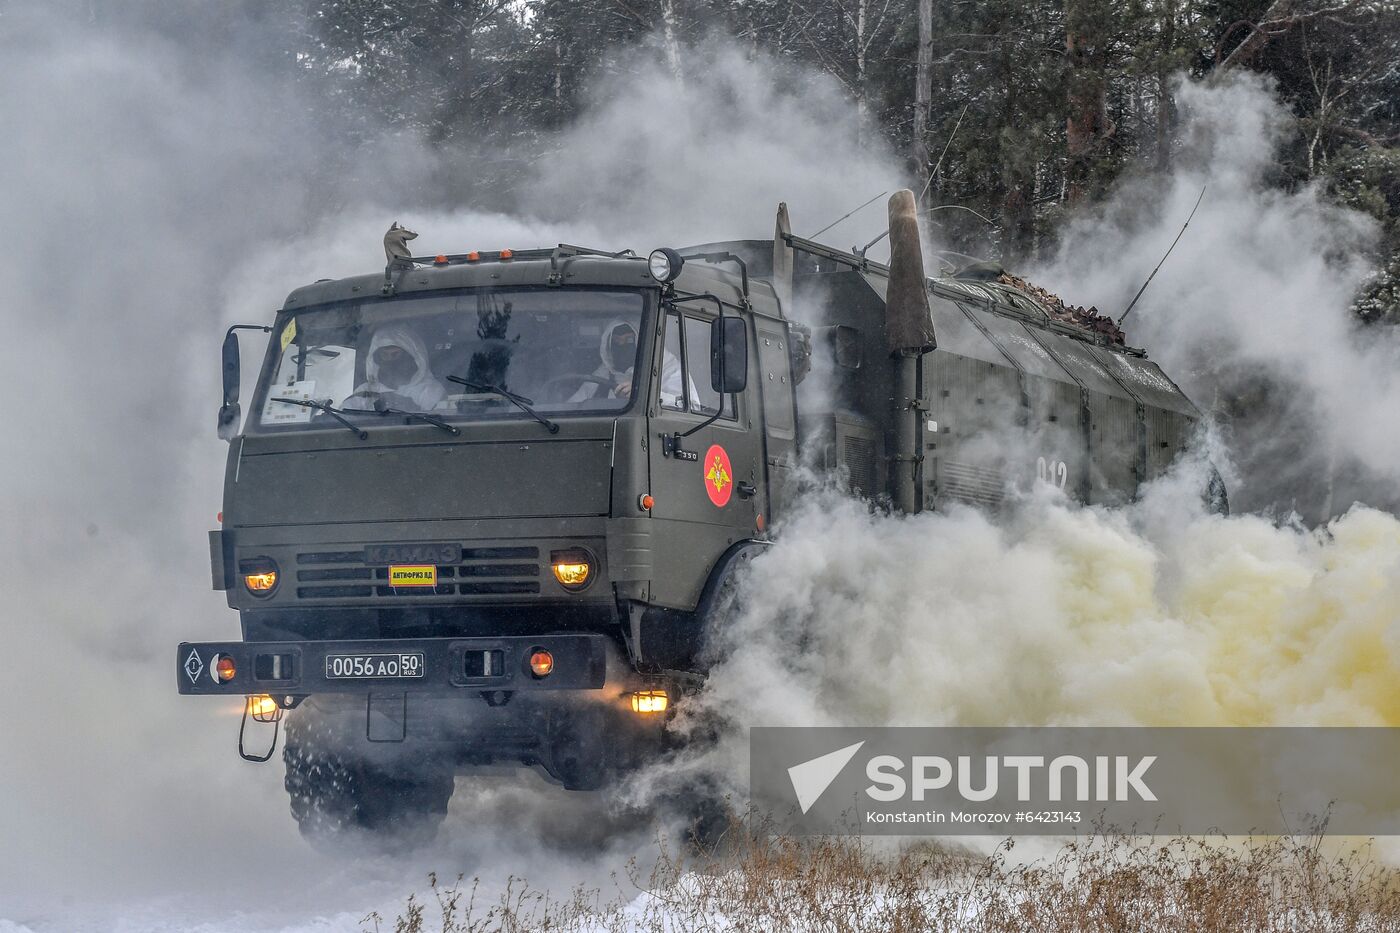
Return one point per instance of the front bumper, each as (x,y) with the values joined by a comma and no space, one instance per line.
(303,668)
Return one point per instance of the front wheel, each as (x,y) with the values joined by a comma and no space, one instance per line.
(337,796)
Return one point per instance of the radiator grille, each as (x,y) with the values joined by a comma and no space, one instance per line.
(858,455)
(971,483)
(480,571)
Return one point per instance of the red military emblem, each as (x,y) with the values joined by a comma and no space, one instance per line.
(719,475)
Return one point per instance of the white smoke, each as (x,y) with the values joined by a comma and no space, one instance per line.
(158,193)
(1252,303)
(1154,614)
(709,160)
(1158,614)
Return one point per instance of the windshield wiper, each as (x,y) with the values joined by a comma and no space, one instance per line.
(518,401)
(322,406)
(383,408)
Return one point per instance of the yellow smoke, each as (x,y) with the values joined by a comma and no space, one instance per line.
(1155,615)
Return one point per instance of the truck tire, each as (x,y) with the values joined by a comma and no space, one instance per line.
(389,804)
(721,600)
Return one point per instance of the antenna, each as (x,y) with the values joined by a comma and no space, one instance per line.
(1164,257)
(862,250)
(848,214)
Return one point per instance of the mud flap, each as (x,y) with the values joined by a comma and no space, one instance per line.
(386,717)
(578,750)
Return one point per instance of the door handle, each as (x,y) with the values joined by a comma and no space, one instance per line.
(745,490)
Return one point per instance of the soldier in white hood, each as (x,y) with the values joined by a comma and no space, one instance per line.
(618,349)
(397,371)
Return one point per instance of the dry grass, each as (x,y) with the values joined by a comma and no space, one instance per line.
(1110,883)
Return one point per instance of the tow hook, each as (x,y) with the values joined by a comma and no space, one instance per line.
(495,698)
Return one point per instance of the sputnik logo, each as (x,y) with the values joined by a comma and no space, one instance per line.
(811,778)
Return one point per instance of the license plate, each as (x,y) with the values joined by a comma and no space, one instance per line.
(361,666)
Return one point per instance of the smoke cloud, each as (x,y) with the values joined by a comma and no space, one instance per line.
(160,189)
(1158,613)
(1250,312)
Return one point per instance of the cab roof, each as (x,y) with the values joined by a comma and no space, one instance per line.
(482,270)
(561,265)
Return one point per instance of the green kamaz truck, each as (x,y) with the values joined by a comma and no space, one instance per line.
(487,507)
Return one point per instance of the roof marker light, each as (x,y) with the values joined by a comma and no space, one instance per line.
(440,260)
(506,254)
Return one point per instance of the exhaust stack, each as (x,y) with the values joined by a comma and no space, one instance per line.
(909,334)
(782,258)
(908,319)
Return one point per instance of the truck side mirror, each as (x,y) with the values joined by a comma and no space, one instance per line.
(729,355)
(230,411)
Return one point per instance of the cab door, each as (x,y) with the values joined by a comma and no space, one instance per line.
(776,391)
(707,488)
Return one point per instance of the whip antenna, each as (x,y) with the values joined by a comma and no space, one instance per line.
(844,216)
(1164,257)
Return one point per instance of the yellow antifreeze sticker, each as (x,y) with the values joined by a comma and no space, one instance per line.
(413,575)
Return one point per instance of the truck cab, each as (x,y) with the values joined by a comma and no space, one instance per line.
(477,505)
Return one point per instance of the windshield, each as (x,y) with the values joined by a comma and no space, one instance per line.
(558,351)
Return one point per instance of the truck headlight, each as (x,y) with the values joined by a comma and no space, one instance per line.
(259,575)
(664,265)
(572,568)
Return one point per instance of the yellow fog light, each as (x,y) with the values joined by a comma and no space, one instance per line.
(259,575)
(573,568)
(572,574)
(650,701)
(260,582)
(264,708)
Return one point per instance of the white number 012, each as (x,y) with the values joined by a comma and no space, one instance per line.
(1051,471)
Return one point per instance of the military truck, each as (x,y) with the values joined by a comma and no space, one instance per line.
(487,507)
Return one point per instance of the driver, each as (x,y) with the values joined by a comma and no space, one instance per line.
(397,370)
(613,377)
